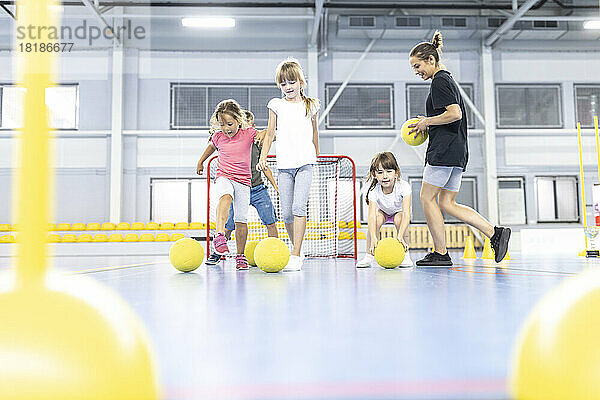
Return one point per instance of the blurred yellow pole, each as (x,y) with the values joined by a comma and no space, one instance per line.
(33,181)
(582,182)
(597,145)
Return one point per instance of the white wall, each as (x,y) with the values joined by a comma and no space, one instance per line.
(82,162)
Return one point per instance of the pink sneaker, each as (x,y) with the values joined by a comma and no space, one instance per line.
(241,263)
(220,243)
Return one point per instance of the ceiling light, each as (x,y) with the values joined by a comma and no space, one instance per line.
(208,22)
(593,24)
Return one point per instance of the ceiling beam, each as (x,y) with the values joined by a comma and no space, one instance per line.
(509,23)
(100,18)
(8,11)
(316,21)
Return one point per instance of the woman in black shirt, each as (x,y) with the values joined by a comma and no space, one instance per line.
(447,155)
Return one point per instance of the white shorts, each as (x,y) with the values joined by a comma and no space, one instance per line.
(240,194)
(448,178)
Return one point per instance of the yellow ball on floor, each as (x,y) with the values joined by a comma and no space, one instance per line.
(389,253)
(271,254)
(186,254)
(249,251)
(409,137)
(558,353)
(99,351)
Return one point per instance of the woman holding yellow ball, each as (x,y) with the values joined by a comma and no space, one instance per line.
(447,155)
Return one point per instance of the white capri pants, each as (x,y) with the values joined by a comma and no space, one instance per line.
(240,194)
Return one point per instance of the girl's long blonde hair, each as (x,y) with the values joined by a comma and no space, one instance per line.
(231,108)
(385,160)
(290,70)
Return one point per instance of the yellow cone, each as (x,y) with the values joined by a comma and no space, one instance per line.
(488,254)
(469,249)
(581,253)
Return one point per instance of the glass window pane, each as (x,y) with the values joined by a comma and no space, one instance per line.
(545,199)
(63,105)
(587,103)
(259,97)
(361,106)
(216,94)
(566,199)
(199,200)
(511,201)
(528,106)
(12,107)
(188,107)
(169,200)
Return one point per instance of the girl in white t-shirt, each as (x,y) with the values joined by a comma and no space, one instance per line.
(389,200)
(293,120)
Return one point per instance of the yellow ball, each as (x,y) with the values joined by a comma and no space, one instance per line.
(186,254)
(389,253)
(271,254)
(249,251)
(409,138)
(558,354)
(70,341)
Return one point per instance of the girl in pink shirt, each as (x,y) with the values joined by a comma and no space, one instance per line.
(233,140)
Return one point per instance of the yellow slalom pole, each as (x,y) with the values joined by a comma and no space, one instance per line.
(582,182)
(34,178)
(597,144)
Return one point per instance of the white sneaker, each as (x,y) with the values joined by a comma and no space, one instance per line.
(294,264)
(366,261)
(407,262)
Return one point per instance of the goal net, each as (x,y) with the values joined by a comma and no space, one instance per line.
(331,216)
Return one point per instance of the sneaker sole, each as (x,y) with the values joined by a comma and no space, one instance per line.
(503,244)
(438,264)
(222,253)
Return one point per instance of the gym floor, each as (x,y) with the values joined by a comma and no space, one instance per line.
(331,331)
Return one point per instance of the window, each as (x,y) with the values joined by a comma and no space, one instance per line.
(528,106)
(416,96)
(511,201)
(587,104)
(467,195)
(62,102)
(193,104)
(361,106)
(557,199)
(178,200)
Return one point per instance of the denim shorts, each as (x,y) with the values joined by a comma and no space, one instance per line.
(259,199)
(448,178)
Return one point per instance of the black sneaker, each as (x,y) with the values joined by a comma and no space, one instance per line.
(435,259)
(499,242)
(213,259)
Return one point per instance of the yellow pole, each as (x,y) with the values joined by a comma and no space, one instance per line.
(33,182)
(597,145)
(582,182)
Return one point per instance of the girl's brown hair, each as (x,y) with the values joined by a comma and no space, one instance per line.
(231,108)
(424,50)
(385,160)
(290,70)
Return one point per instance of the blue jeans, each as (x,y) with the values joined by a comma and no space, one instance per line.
(259,198)
(294,188)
